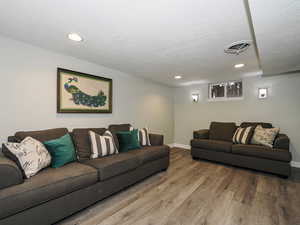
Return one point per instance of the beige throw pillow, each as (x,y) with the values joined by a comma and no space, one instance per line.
(31,154)
(264,136)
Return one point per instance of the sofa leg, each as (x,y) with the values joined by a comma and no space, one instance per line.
(165,169)
(195,158)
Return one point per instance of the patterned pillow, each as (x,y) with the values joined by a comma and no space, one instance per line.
(31,155)
(243,135)
(143,136)
(102,145)
(264,136)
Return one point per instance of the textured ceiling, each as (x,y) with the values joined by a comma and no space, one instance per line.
(155,39)
(277,30)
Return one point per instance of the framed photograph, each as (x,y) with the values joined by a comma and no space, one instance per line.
(83,93)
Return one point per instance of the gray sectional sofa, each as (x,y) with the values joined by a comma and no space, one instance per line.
(215,144)
(54,194)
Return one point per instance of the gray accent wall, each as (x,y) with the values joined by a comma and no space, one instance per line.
(282,108)
(28,94)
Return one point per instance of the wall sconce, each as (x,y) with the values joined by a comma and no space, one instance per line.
(262,93)
(195,97)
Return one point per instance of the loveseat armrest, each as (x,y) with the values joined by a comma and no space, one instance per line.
(156,139)
(201,134)
(10,173)
(282,141)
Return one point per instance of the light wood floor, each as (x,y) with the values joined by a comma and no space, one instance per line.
(199,193)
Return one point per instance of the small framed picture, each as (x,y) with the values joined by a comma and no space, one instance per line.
(262,93)
(83,93)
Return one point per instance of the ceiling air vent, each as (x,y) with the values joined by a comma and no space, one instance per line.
(237,47)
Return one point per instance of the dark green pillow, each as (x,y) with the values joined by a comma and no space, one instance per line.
(128,140)
(62,151)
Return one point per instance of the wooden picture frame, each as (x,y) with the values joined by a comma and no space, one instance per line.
(79,92)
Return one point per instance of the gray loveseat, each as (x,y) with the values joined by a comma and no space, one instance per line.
(54,194)
(215,144)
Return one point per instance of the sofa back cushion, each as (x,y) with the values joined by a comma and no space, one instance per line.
(254,124)
(222,131)
(115,128)
(42,135)
(82,141)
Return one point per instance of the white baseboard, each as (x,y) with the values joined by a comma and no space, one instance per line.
(179,146)
(293,163)
(171,145)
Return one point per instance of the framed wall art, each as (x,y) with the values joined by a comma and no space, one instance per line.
(83,93)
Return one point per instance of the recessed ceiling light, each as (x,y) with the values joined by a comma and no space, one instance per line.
(239,65)
(75,37)
(177,77)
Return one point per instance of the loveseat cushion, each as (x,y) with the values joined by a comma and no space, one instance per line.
(48,184)
(214,145)
(82,141)
(254,124)
(201,134)
(222,131)
(156,139)
(151,153)
(115,128)
(262,152)
(42,135)
(113,165)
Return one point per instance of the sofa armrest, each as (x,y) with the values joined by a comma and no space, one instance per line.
(282,141)
(156,139)
(10,173)
(201,134)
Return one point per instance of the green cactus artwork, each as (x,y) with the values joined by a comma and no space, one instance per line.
(81,98)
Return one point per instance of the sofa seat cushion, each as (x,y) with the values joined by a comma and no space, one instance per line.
(262,152)
(48,184)
(151,153)
(113,165)
(214,145)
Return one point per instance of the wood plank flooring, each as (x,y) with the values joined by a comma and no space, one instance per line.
(199,193)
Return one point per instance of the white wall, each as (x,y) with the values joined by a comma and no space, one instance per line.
(28,94)
(282,108)
(28,99)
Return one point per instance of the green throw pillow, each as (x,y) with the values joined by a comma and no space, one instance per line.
(128,140)
(62,151)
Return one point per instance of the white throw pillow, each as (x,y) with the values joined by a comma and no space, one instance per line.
(264,136)
(144,137)
(31,155)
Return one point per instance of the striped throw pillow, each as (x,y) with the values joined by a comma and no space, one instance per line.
(243,135)
(102,145)
(143,136)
